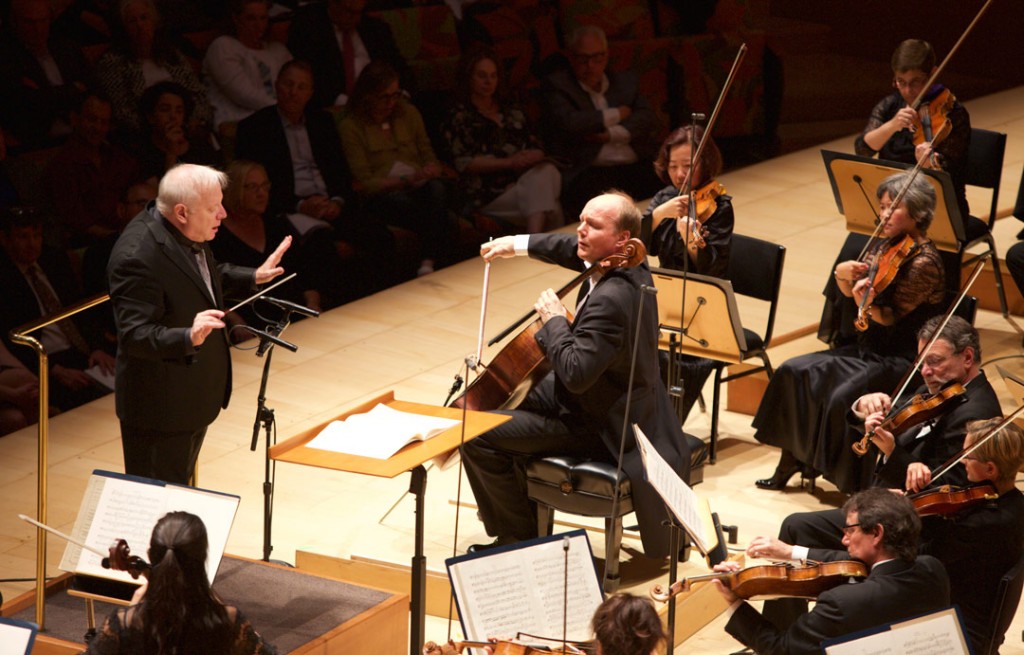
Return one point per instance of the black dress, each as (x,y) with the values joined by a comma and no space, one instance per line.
(804,407)
(666,243)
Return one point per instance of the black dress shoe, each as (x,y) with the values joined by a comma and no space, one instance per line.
(500,541)
(779,479)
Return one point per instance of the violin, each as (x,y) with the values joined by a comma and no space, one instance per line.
(938,109)
(784,579)
(922,407)
(705,201)
(506,647)
(121,559)
(882,272)
(948,499)
(520,364)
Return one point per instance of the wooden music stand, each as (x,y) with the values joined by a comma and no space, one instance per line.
(947,230)
(710,325)
(1016,388)
(409,459)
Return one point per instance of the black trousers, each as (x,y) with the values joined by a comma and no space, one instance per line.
(167,456)
(495,462)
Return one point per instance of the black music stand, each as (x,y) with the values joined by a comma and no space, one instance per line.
(854,180)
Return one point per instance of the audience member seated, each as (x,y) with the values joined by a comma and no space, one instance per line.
(19,393)
(248,235)
(240,70)
(298,146)
(339,40)
(167,108)
(141,56)
(41,75)
(87,176)
(37,282)
(393,163)
(600,122)
(503,173)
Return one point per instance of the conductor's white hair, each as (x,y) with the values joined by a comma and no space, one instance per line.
(185,183)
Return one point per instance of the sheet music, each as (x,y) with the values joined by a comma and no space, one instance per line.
(678,495)
(16,637)
(521,590)
(938,633)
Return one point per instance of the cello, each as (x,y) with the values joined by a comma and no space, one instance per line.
(520,363)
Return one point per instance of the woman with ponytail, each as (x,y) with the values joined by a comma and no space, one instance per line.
(178,613)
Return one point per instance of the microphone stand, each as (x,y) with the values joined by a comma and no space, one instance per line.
(265,418)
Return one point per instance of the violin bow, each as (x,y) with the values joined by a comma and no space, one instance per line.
(861,447)
(911,176)
(955,459)
(63,536)
(938,70)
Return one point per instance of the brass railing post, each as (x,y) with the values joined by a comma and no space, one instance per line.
(20,335)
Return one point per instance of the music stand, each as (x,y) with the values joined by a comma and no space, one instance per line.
(409,459)
(1016,388)
(947,230)
(710,325)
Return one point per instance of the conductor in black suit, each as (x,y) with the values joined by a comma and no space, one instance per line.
(173,371)
(881,530)
(580,407)
(340,40)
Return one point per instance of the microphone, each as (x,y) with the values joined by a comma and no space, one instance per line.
(267,337)
(697,116)
(646,288)
(291,306)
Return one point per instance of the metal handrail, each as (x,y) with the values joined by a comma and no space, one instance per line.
(20,335)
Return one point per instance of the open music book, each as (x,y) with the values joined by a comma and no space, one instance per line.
(379,433)
(520,588)
(693,514)
(938,633)
(117,506)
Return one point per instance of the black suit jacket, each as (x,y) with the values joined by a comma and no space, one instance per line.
(30,103)
(163,382)
(893,591)
(311,37)
(591,361)
(19,305)
(945,439)
(261,138)
(570,116)
(977,547)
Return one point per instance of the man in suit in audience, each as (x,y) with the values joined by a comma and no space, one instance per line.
(340,40)
(881,530)
(298,145)
(42,76)
(38,281)
(173,360)
(600,122)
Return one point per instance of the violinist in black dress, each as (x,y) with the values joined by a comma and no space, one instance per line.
(804,408)
(673,234)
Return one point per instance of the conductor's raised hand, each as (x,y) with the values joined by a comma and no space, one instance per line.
(270,268)
(500,247)
(204,323)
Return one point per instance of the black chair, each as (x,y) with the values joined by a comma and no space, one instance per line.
(1007,598)
(985,169)
(755,270)
(584,487)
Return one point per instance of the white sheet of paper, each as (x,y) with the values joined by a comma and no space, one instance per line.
(678,495)
(379,433)
(96,373)
(936,634)
(14,639)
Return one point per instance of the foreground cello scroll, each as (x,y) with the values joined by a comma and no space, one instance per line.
(783,579)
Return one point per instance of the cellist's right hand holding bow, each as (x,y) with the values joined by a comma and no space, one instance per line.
(501,247)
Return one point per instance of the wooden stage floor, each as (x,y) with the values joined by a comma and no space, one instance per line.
(412,339)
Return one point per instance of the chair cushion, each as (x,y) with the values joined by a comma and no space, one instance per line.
(975,228)
(754,340)
(577,485)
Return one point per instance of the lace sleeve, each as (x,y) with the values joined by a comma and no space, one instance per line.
(882,112)
(919,281)
(108,640)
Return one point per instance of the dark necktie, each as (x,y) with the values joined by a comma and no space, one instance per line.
(51,306)
(204,269)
